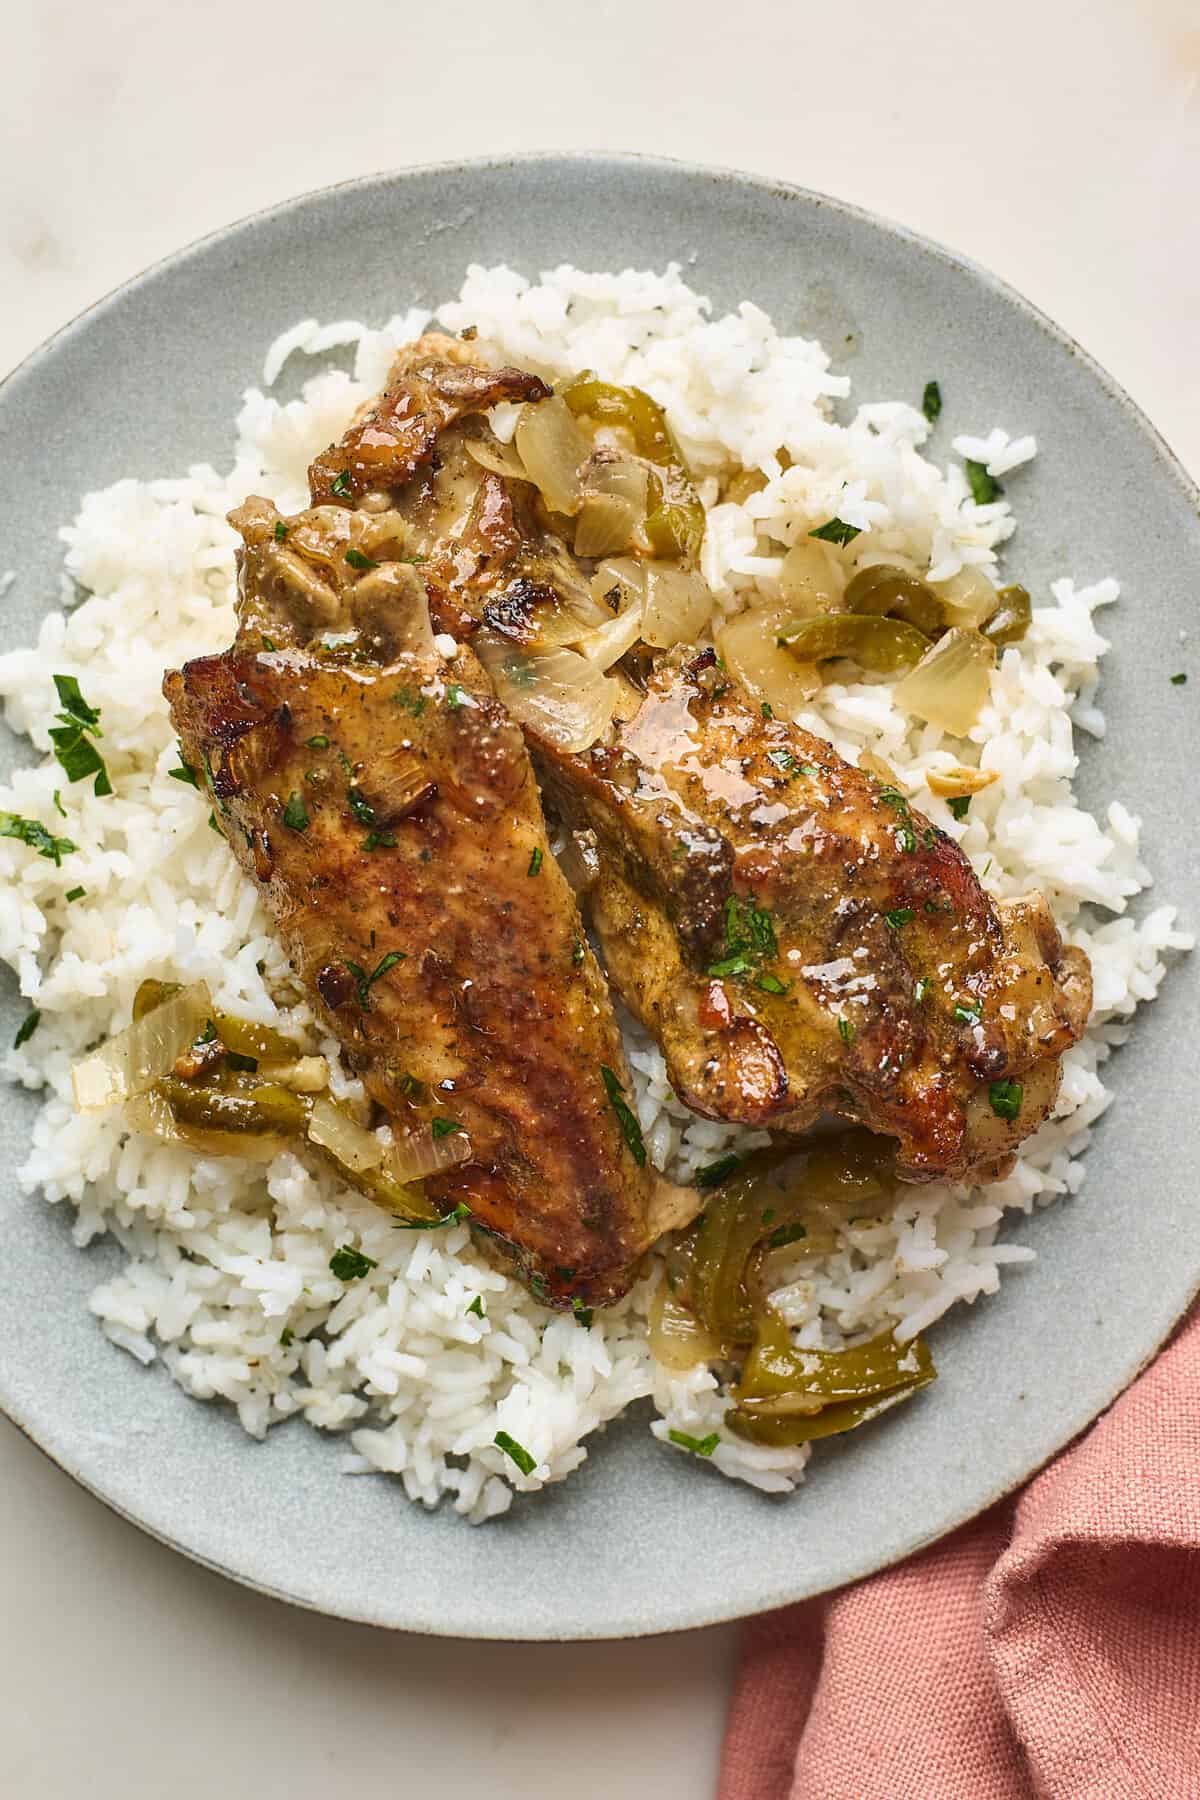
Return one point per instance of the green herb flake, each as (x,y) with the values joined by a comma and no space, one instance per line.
(518,1453)
(784,761)
(365,982)
(35,834)
(212,823)
(456,695)
(184,772)
(361,807)
(246,1065)
(411,700)
(269,643)
(583,1314)
(1179,680)
(836,531)
(295,813)
(630,1129)
(281,531)
(76,893)
(577,951)
(959,805)
(921,989)
(349,1264)
(454,1217)
(1005,1098)
(379,840)
(475,1310)
(931,402)
(845,1031)
(771,984)
(445,1127)
(357,560)
(698,1446)
(714,1173)
(984,487)
(59,808)
(906,840)
(341,485)
(898,917)
(535,862)
(786,1234)
(27,1027)
(287,1336)
(968,1015)
(78,721)
(767,710)
(320,742)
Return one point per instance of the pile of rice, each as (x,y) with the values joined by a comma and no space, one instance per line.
(227,1276)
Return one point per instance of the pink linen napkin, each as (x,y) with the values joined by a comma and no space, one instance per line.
(1050,1648)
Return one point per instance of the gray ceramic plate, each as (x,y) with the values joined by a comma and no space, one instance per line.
(639,1541)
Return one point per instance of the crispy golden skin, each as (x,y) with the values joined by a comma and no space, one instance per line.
(385,803)
(709,817)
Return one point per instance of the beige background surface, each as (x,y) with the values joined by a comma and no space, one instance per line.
(1057,141)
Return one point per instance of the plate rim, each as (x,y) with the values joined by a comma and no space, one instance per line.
(1168,462)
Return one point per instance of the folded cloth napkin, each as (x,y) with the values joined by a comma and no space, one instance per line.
(1050,1648)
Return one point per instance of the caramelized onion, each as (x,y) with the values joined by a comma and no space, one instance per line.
(606,522)
(678,605)
(553,449)
(968,598)
(559,693)
(749,648)
(950,683)
(416,1154)
(130,1063)
(501,459)
(607,643)
(811,580)
(333,1130)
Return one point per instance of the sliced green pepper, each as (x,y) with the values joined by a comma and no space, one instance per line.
(802,1428)
(154,993)
(675,521)
(884,646)
(779,1379)
(1012,618)
(884,589)
(254,1108)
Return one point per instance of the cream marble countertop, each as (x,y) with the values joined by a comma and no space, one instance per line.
(1057,141)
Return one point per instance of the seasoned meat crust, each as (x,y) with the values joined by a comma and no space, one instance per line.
(385,803)
(798,939)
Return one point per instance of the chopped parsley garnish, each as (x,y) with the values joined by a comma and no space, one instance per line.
(968,1015)
(287,1336)
(410,700)
(583,1314)
(75,893)
(1178,680)
(269,643)
(445,1127)
(921,989)
(906,839)
(786,1234)
(365,982)
(295,813)
(538,1288)
(749,939)
(247,1065)
(577,951)
(280,531)
(517,1452)
(361,807)
(476,1307)
(984,487)
(348,1264)
(35,834)
(931,402)
(456,695)
(454,1217)
(784,761)
(630,1129)
(836,531)
(714,1173)
(184,772)
(900,915)
(357,560)
(379,840)
(891,796)
(535,862)
(341,485)
(845,1031)
(79,722)
(698,1446)
(27,1027)
(320,742)
(1005,1098)
(771,984)
(767,710)
(959,805)
(59,808)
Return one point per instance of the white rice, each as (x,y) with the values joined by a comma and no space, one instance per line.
(227,1276)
